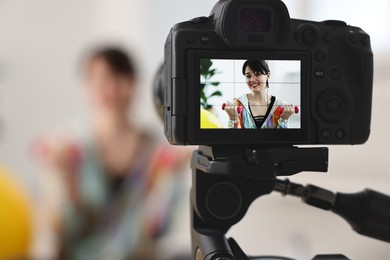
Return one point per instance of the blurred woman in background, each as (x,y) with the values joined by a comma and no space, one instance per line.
(120,183)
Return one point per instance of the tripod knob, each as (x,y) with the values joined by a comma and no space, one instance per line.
(224,201)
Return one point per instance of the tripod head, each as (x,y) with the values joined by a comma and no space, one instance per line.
(227,181)
(235,177)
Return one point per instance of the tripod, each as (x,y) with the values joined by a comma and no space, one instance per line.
(225,181)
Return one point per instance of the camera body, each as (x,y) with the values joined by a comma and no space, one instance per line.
(327,73)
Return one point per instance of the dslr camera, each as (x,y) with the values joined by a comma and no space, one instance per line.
(247,83)
(322,70)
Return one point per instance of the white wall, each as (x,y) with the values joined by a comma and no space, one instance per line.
(41,42)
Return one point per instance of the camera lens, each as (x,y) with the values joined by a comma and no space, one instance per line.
(158,91)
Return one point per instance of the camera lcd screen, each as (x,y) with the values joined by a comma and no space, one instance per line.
(250,94)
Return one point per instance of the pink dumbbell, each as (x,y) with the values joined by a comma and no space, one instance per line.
(239,108)
(296,109)
(280,110)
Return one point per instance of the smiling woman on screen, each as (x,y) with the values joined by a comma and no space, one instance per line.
(259,108)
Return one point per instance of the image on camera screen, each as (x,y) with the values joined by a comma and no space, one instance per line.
(250,94)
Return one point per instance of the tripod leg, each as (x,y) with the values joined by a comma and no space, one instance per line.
(237,251)
(208,243)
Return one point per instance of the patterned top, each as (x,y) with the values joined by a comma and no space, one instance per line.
(259,120)
(246,120)
(124,224)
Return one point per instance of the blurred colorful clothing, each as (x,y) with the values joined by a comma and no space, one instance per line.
(120,218)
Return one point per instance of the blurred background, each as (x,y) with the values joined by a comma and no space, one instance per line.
(41,45)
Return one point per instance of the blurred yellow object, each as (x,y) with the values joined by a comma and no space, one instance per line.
(15,218)
(208,120)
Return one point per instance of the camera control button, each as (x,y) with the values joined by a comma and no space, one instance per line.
(191,38)
(205,39)
(335,74)
(326,133)
(319,73)
(309,36)
(334,105)
(202,19)
(339,133)
(328,37)
(364,41)
(319,56)
(335,23)
(354,38)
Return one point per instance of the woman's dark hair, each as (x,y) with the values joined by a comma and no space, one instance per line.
(117,59)
(260,66)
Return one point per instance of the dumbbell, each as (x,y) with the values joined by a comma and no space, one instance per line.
(280,110)
(239,108)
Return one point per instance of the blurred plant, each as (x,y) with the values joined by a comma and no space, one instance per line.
(206,73)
